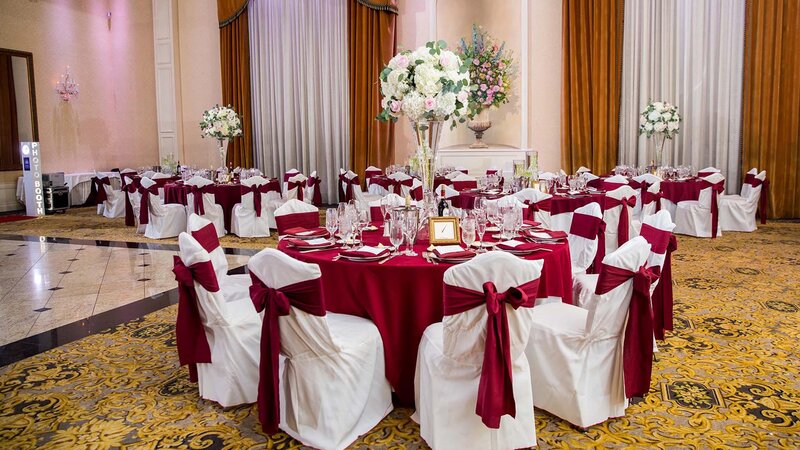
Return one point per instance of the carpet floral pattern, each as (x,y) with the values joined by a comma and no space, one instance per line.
(727,377)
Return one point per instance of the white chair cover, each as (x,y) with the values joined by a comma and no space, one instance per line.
(358,195)
(164,220)
(654,187)
(450,358)
(693,217)
(234,287)
(244,220)
(292,192)
(149,174)
(135,198)
(582,251)
(576,354)
(529,196)
(583,169)
(233,330)
(289,173)
(114,205)
(738,212)
(333,386)
(292,207)
(213,211)
(611,216)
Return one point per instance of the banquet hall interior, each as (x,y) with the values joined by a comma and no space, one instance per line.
(385,224)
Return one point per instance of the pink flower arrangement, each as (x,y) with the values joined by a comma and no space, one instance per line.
(491,70)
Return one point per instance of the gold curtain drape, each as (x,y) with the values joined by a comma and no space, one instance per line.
(771,111)
(592,72)
(234,46)
(371,44)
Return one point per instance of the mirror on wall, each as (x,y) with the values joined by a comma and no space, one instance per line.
(18,121)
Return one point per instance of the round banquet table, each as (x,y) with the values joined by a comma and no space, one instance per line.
(225,195)
(681,190)
(404,295)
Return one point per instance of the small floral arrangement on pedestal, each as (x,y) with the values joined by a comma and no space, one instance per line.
(429,85)
(491,70)
(221,123)
(662,120)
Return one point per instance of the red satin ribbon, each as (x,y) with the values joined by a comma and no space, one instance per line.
(610,186)
(637,351)
(207,237)
(541,205)
(342,195)
(716,189)
(197,197)
(299,185)
(316,197)
(348,193)
(130,188)
(305,219)
(288,175)
(662,297)
(190,334)
(462,185)
(101,192)
(495,389)
(623,227)
(306,296)
(416,193)
(144,205)
(590,227)
(763,201)
(257,190)
(397,185)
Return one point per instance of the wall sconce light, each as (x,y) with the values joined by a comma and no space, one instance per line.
(66,88)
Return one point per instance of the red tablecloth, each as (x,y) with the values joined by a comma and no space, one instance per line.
(466,199)
(404,295)
(560,204)
(225,195)
(678,191)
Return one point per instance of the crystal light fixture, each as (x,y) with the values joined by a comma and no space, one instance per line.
(66,88)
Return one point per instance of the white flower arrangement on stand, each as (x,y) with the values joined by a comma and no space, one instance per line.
(429,85)
(221,123)
(662,120)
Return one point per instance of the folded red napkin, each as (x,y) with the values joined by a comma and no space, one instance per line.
(525,246)
(306,232)
(365,252)
(302,243)
(553,234)
(532,223)
(458,254)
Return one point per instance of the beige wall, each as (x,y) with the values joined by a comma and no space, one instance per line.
(112,122)
(453,20)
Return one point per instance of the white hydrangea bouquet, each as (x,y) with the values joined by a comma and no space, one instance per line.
(429,85)
(221,123)
(662,120)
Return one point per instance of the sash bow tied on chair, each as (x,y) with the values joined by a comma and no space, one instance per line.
(197,197)
(397,185)
(144,206)
(98,183)
(637,351)
(533,207)
(590,227)
(299,185)
(275,303)
(316,198)
(257,190)
(716,189)
(763,200)
(495,389)
(191,340)
(128,189)
(623,227)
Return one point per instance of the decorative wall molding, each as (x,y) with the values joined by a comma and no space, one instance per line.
(166,104)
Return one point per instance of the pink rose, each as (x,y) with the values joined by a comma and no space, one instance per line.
(475,61)
(495,88)
(501,65)
(463,97)
(430,103)
(402,61)
(395,105)
(483,87)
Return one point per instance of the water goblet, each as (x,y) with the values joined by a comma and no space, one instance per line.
(480,227)
(468,231)
(331,222)
(410,230)
(396,234)
(345,228)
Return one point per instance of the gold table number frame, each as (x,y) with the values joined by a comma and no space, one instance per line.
(444,230)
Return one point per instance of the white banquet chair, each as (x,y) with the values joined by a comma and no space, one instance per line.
(135,197)
(584,233)
(614,182)
(288,174)
(245,220)
(403,180)
(235,287)
(539,203)
(583,169)
(696,217)
(232,331)
(358,195)
(710,170)
(575,354)
(450,359)
(464,181)
(162,220)
(206,205)
(619,209)
(738,212)
(295,213)
(114,204)
(643,209)
(332,385)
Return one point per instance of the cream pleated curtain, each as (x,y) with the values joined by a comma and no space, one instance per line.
(689,53)
(298,63)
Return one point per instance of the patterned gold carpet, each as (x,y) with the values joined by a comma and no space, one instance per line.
(728,377)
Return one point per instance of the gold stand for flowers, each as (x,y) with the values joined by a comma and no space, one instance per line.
(479,126)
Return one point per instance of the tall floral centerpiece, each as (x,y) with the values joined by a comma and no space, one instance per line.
(659,119)
(223,124)
(491,72)
(430,86)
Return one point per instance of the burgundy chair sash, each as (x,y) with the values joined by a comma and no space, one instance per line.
(122,175)
(197,196)
(541,205)
(438,180)
(610,186)
(306,296)
(316,197)
(288,175)
(637,351)
(101,192)
(705,174)
(257,190)
(207,237)
(348,191)
(623,227)
(495,389)
(190,334)
(716,189)
(763,200)
(130,188)
(416,193)
(144,206)
(299,185)
(397,185)
(369,173)
(462,185)
(303,219)
(590,227)
(491,171)
(662,297)
(340,184)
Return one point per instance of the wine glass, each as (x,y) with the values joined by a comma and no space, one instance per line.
(509,223)
(468,231)
(491,211)
(410,231)
(331,222)
(345,228)
(480,227)
(363,222)
(396,234)
(341,209)
(480,202)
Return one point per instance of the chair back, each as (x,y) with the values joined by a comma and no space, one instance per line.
(463,181)
(301,333)
(209,199)
(606,317)
(465,333)
(155,205)
(702,173)
(159,176)
(583,169)
(656,230)
(293,188)
(204,232)
(211,304)
(583,240)
(616,200)
(295,213)
(615,182)
(705,194)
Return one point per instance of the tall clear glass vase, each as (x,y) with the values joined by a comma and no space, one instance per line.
(427,134)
